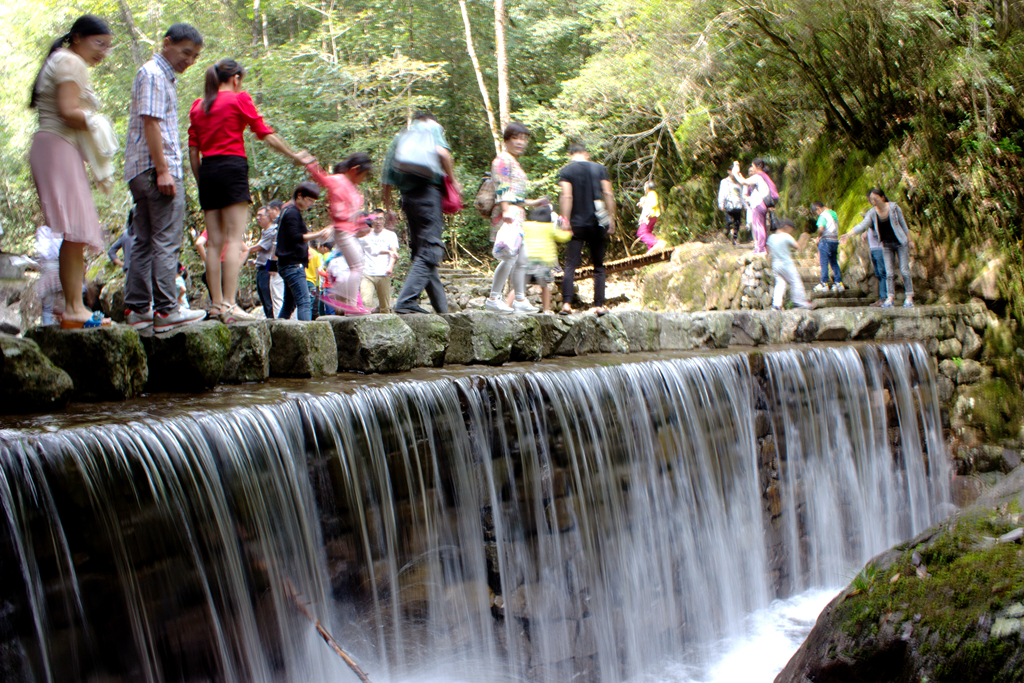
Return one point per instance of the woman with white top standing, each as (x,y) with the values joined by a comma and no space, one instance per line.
(761,188)
(64,99)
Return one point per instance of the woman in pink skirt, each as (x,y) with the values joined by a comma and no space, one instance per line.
(64,99)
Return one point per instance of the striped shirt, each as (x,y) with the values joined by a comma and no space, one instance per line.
(153,94)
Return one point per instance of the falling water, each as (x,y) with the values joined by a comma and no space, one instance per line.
(607,523)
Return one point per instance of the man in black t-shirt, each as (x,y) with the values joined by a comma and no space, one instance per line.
(582,182)
(292,252)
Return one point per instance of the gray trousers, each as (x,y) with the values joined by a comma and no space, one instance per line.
(890,253)
(154,261)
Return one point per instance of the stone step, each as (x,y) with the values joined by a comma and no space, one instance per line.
(843,302)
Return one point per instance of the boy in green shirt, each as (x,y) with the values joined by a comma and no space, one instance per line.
(828,247)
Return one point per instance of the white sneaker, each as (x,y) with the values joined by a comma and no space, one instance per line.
(820,288)
(838,287)
(178,317)
(498,306)
(524,306)
(139,321)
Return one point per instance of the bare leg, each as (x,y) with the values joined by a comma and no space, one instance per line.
(72,277)
(234,219)
(545,297)
(214,248)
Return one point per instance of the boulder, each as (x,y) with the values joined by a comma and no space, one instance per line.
(834,325)
(712,330)
(611,335)
(528,342)
(373,343)
(581,338)
(866,325)
(970,372)
(553,329)
(480,337)
(248,353)
(29,381)
(971,344)
(986,285)
(431,333)
(746,330)
(950,348)
(105,363)
(913,326)
(643,330)
(190,358)
(302,349)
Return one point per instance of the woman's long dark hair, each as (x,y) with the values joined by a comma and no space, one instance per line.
(357,160)
(219,72)
(84,26)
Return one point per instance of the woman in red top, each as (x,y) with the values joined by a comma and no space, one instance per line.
(217,154)
(347,214)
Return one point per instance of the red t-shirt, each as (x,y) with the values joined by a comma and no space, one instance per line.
(220,131)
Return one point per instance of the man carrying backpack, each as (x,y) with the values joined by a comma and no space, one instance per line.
(586,198)
(416,163)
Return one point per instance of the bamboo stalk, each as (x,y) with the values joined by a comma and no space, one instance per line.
(324,633)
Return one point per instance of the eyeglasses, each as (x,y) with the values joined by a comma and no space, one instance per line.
(100,45)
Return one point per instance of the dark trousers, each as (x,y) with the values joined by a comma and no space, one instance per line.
(296,293)
(596,241)
(422,207)
(263,289)
(733,221)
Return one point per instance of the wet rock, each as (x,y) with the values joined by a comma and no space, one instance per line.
(945,388)
(866,326)
(112,299)
(105,363)
(949,368)
(643,330)
(190,358)
(248,353)
(553,329)
(479,337)
(373,343)
(302,349)
(950,348)
(910,325)
(746,330)
(431,333)
(29,381)
(528,339)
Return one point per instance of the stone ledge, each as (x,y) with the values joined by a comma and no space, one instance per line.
(199,357)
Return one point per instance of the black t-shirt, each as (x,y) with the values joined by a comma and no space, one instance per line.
(291,247)
(583,176)
(885,231)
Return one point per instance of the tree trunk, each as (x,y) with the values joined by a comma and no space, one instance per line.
(136,49)
(502,58)
(479,77)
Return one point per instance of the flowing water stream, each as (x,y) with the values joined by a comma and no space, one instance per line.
(635,521)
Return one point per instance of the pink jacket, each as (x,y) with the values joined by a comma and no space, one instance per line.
(342,197)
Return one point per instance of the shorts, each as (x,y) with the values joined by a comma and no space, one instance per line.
(223,181)
(538,273)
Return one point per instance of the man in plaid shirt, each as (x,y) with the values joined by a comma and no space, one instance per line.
(153,169)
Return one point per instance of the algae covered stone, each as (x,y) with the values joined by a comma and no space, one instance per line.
(29,381)
(249,353)
(105,363)
(190,358)
(378,343)
(480,337)
(643,330)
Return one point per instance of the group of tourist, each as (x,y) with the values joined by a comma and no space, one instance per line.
(883,225)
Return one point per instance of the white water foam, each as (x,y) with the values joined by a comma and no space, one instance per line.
(770,637)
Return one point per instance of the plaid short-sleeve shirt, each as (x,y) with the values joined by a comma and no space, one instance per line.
(153,94)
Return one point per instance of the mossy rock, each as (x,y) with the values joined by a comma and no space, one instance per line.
(191,358)
(997,409)
(29,381)
(432,333)
(105,363)
(377,343)
(945,607)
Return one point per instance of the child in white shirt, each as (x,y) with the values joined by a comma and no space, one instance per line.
(780,247)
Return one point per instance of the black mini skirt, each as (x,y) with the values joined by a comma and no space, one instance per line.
(223,181)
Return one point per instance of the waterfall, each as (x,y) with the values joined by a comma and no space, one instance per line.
(596,522)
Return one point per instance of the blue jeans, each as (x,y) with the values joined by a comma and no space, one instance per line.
(878,261)
(263,289)
(296,293)
(828,255)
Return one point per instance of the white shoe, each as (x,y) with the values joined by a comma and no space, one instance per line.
(838,287)
(138,321)
(178,317)
(524,306)
(498,306)
(820,288)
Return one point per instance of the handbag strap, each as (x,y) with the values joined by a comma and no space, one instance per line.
(595,181)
